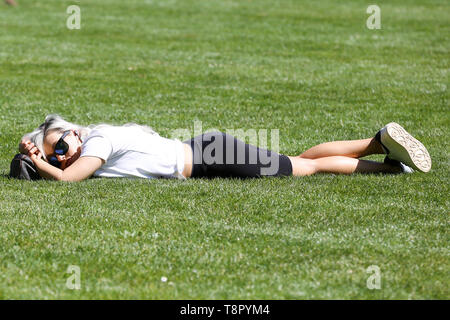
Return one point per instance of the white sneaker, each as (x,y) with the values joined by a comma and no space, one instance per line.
(401,146)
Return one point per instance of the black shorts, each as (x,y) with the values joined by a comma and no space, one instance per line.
(217,154)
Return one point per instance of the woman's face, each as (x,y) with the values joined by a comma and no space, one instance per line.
(71,139)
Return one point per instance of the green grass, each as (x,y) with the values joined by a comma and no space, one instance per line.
(310,69)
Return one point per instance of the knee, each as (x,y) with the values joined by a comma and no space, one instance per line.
(303,167)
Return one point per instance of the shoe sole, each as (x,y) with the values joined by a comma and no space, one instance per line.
(405,148)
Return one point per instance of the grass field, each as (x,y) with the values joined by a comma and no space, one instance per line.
(311,69)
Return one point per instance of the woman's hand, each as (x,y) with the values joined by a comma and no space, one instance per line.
(31,150)
(35,156)
(23,146)
(28,147)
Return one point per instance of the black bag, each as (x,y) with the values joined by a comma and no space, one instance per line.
(22,167)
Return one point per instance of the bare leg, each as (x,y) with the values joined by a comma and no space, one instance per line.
(339,164)
(352,149)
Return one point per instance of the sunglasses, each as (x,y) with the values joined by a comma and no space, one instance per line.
(61,148)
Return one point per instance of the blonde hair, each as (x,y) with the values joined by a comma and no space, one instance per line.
(56,122)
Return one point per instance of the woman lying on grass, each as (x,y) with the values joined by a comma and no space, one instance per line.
(65,151)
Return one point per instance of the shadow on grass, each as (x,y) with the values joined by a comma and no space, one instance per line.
(5,175)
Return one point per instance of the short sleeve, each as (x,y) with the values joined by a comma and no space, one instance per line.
(96,146)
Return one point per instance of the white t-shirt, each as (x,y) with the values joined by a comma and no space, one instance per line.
(129,151)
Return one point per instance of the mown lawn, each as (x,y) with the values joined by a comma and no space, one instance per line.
(310,69)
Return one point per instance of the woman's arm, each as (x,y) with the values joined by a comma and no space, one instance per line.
(81,169)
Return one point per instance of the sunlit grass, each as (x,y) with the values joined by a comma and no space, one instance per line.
(310,69)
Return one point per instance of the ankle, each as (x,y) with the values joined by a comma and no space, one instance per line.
(376,147)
